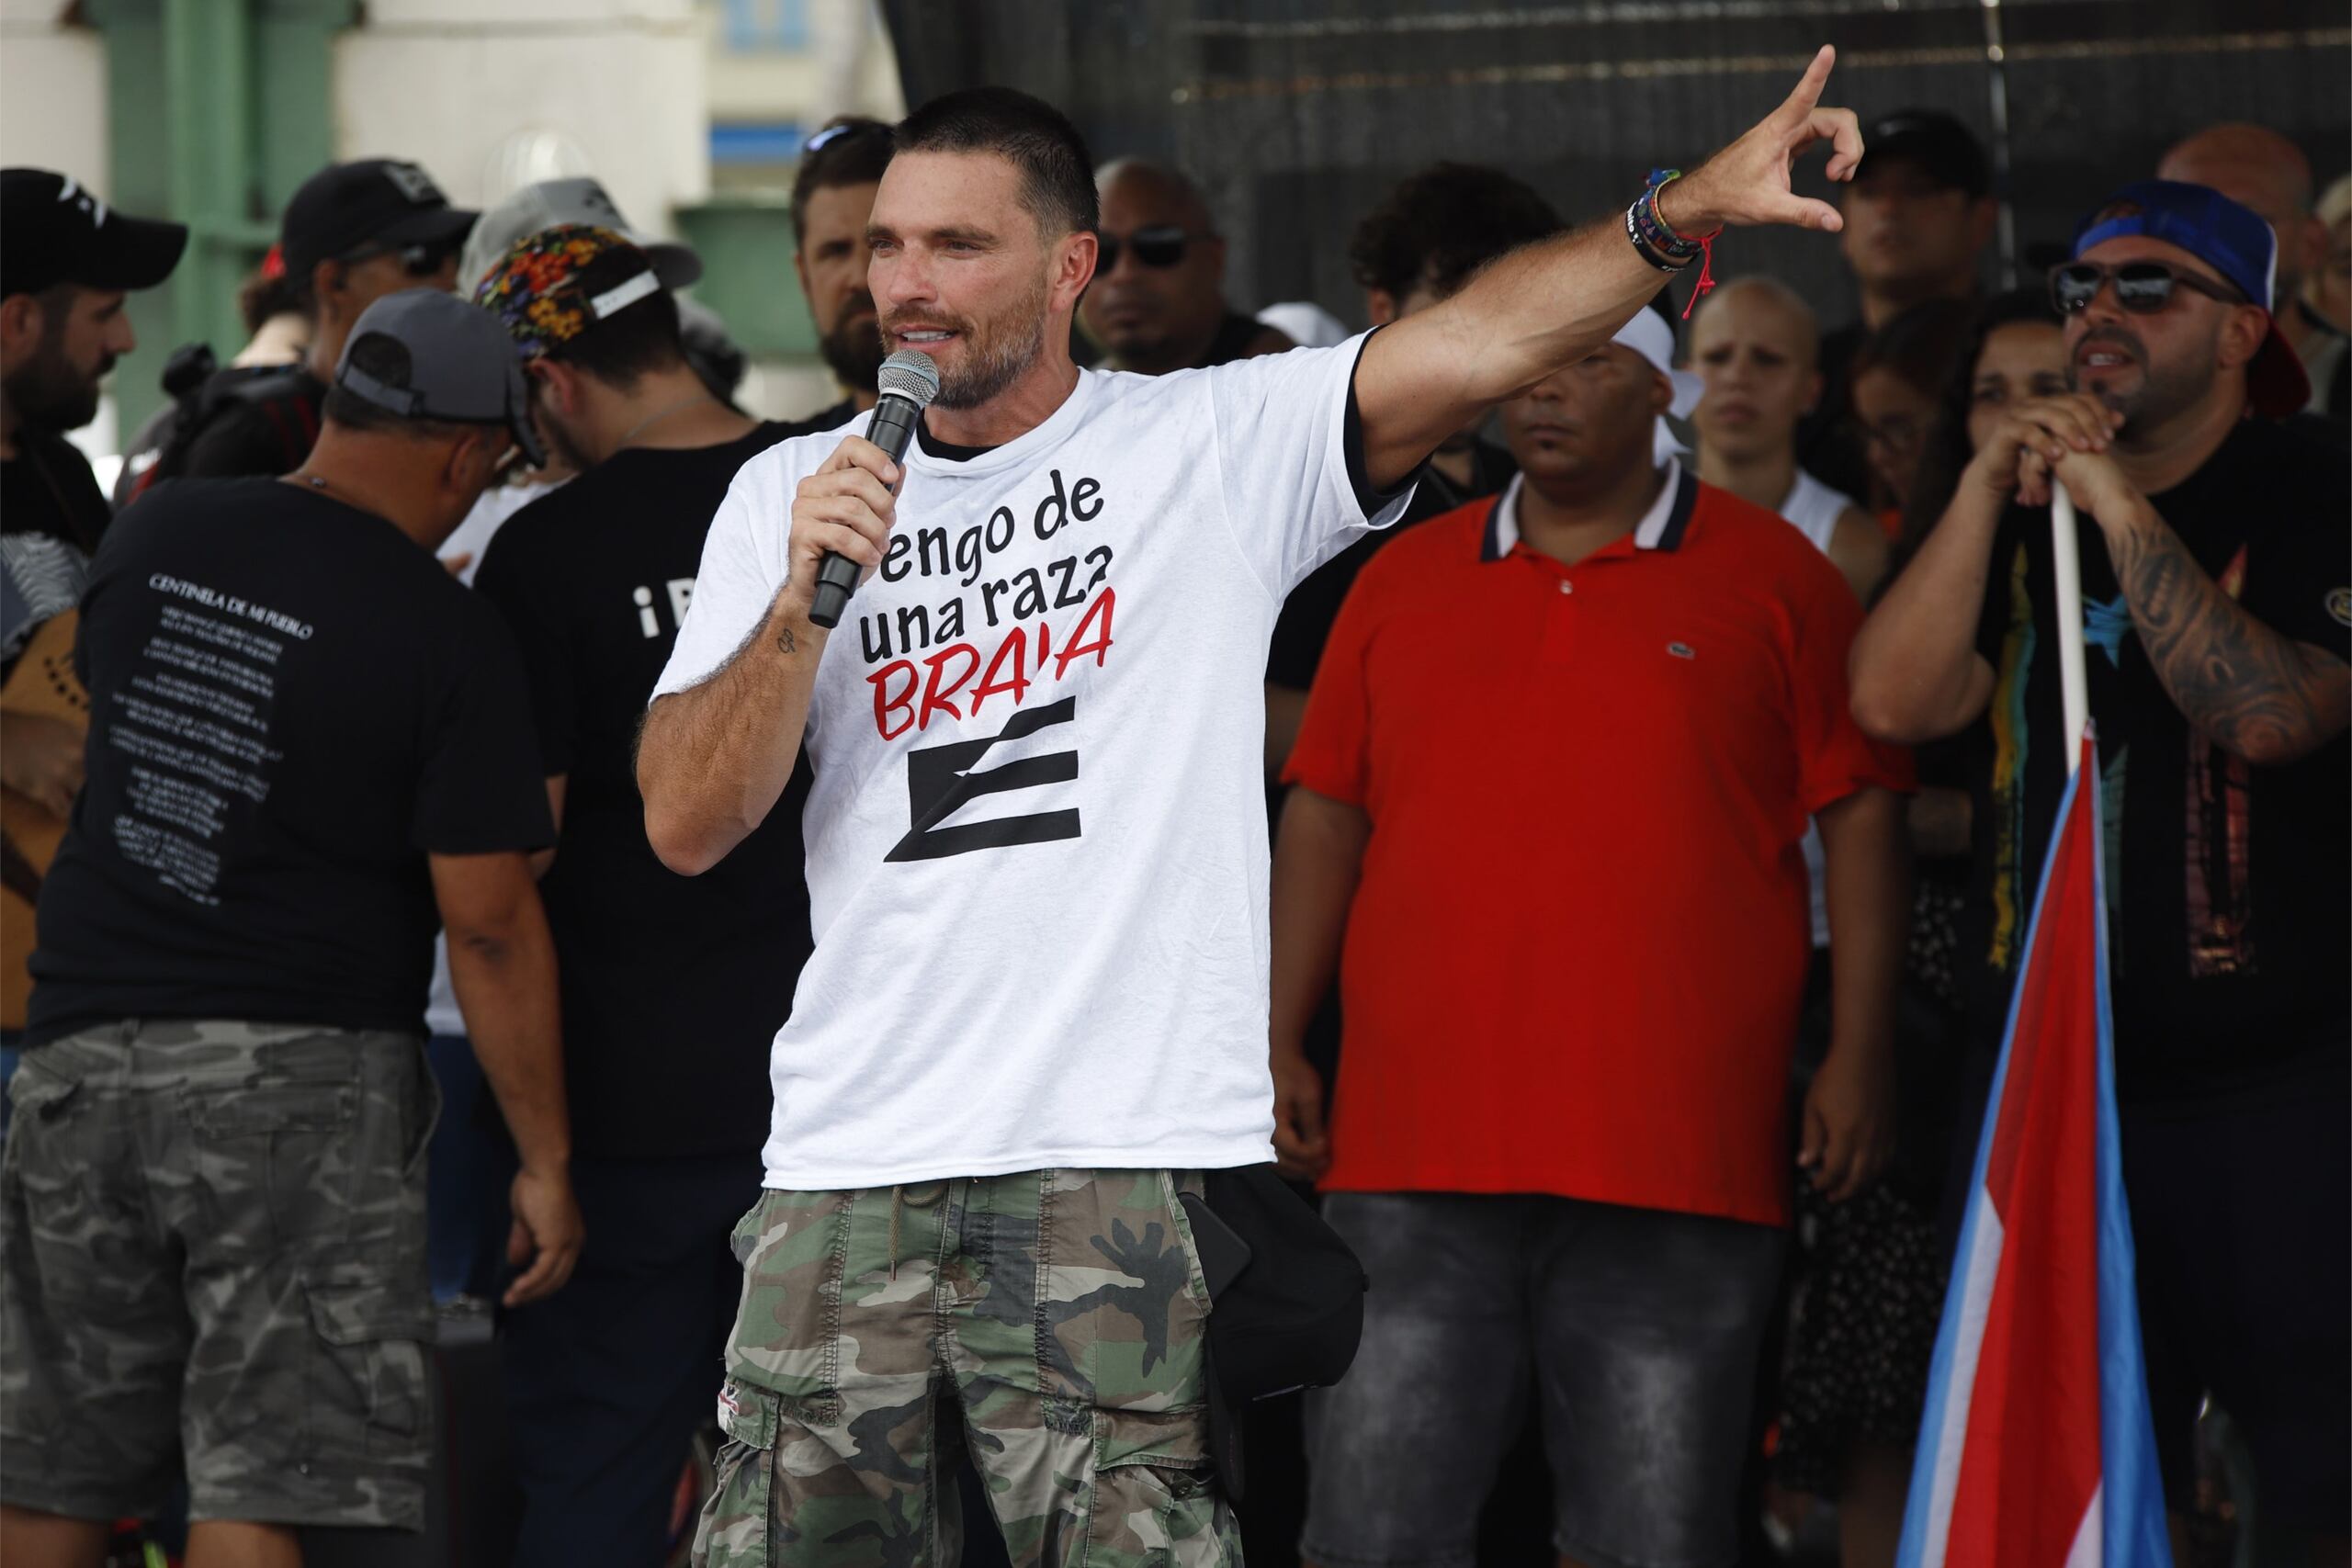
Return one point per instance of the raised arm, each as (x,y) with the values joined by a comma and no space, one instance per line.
(712,761)
(1548,305)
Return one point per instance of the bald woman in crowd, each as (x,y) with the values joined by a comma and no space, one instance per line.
(1756,349)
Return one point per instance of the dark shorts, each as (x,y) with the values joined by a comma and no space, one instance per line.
(1638,1330)
(2242,1223)
(212,1258)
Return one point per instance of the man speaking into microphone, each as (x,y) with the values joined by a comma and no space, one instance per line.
(1036,848)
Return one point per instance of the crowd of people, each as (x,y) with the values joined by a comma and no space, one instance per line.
(1615,930)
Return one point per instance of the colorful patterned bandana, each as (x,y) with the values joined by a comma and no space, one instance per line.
(534,288)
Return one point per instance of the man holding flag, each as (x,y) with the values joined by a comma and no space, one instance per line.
(2217,620)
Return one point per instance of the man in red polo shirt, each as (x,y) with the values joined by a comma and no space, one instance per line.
(1553,777)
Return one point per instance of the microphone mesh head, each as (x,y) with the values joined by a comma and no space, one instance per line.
(909,374)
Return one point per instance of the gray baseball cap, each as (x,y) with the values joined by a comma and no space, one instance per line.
(462,366)
(553,204)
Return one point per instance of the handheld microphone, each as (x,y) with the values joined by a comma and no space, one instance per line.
(908,382)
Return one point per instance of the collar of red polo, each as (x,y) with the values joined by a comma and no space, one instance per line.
(1661,528)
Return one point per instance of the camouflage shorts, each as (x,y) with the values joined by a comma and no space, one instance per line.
(1050,1324)
(212,1254)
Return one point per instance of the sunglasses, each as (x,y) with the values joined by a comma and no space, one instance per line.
(1161,244)
(855,129)
(416,261)
(2141,287)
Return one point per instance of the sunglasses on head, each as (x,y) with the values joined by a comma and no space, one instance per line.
(416,261)
(1161,244)
(2141,287)
(832,133)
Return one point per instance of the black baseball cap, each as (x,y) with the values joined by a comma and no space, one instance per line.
(382,202)
(1938,144)
(55,230)
(462,366)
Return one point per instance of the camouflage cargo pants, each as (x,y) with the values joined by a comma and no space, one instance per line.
(212,1262)
(1050,1323)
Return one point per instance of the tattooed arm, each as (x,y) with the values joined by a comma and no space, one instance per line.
(2252,692)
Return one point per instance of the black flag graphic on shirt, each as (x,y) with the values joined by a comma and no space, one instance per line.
(940,780)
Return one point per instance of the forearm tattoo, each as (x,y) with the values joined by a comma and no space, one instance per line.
(2252,692)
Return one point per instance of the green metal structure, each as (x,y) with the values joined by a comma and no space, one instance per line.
(217,110)
(746,242)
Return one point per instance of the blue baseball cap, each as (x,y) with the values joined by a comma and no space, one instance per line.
(2231,240)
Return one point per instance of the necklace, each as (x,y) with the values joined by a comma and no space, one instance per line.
(650,421)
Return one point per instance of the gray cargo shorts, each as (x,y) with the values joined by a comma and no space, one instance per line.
(212,1256)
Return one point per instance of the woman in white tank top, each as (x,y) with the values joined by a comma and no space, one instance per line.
(1755,349)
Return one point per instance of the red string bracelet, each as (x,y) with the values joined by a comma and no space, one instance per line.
(1706,243)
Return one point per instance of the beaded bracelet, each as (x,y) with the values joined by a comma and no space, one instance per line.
(1642,247)
(1663,245)
(1658,235)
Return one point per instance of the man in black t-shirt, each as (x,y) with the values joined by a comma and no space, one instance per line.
(1918,216)
(2218,624)
(68,261)
(673,988)
(67,264)
(1157,302)
(352,234)
(309,745)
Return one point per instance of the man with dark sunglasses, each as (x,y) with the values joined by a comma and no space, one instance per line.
(352,234)
(2214,599)
(1157,302)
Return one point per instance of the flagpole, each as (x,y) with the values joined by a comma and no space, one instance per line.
(2073,680)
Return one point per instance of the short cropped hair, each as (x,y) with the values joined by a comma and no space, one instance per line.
(1765,285)
(850,150)
(639,338)
(1443,224)
(1056,174)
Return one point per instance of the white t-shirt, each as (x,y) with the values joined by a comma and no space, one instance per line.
(1036,839)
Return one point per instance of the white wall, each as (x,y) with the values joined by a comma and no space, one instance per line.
(52,91)
(849,69)
(489,93)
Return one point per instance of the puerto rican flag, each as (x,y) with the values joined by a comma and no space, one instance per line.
(2036,1449)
